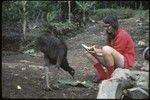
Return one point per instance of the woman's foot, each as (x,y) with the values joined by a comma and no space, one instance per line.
(97,79)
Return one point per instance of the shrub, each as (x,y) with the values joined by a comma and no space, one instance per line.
(121,13)
(101,13)
(142,14)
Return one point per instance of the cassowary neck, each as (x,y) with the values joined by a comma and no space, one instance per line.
(65,66)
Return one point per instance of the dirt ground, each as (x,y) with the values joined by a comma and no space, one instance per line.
(23,75)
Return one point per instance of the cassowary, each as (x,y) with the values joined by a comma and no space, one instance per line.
(55,52)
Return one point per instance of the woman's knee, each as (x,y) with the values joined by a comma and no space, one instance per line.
(107,50)
(110,52)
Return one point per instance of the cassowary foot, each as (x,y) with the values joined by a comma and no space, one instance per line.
(48,89)
(55,87)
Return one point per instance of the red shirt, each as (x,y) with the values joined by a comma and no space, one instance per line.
(124,44)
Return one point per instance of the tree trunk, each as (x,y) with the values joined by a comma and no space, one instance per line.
(84,17)
(69,13)
(24,19)
(24,28)
(135,5)
(141,6)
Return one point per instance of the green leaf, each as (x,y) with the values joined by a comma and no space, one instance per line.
(85,5)
(29,51)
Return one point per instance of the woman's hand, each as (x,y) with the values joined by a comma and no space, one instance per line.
(98,52)
(93,50)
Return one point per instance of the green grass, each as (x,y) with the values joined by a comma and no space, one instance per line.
(122,13)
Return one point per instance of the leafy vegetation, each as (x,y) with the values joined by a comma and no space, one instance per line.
(28,18)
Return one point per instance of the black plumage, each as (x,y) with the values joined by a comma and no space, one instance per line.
(55,51)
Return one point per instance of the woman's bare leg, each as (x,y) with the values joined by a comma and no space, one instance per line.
(101,72)
(94,59)
(111,56)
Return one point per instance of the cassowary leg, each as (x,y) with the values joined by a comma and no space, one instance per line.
(47,78)
(55,79)
(47,64)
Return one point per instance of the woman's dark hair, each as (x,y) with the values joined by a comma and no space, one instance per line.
(112,20)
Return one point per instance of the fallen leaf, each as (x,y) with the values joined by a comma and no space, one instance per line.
(29,51)
(24,61)
(16,74)
(11,66)
(36,66)
(23,68)
(19,87)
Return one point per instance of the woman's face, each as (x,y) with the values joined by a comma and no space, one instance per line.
(108,28)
